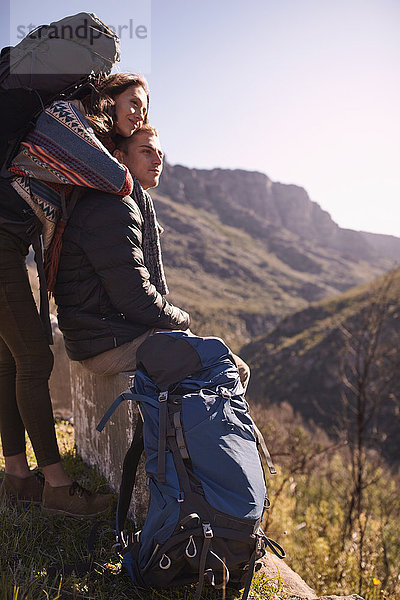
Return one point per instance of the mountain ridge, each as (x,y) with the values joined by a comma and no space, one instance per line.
(242,251)
(285,205)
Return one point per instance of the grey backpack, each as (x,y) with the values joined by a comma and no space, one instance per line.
(52,61)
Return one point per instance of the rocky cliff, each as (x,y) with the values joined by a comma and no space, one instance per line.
(251,201)
(242,251)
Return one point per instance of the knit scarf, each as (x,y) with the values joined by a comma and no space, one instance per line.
(151,238)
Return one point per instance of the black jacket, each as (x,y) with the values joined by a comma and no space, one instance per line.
(103,289)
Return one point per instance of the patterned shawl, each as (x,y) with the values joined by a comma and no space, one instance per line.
(63,151)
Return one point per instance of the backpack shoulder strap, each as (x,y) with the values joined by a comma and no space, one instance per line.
(129,470)
(127,395)
(109,412)
(131,461)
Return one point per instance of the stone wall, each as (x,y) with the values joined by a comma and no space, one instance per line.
(92,395)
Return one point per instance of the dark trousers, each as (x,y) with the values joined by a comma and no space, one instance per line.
(26,361)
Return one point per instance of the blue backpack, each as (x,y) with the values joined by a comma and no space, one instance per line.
(207,486)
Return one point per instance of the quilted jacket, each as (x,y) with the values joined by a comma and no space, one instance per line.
(103,288)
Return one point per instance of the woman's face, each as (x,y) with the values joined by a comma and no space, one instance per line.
(130,110)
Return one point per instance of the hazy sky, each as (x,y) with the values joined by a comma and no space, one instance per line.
(306,91)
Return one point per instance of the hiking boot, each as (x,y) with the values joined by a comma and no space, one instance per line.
(74,501)
(23,490)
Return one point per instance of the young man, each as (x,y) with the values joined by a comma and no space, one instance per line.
(111,285)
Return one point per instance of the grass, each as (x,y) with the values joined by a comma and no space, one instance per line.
(35,549)
(267,587)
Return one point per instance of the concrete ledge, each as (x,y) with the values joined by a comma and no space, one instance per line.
(92,395)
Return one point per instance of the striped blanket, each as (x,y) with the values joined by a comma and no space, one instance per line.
(61,152)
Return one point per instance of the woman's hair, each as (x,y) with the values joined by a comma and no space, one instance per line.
(100,103)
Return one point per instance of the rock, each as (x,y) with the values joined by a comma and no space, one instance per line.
(292,583)
(352,597)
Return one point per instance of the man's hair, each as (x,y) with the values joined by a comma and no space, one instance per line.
(122,143)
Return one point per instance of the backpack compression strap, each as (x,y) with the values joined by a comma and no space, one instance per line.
(162,435)
(263,445)
(208,534)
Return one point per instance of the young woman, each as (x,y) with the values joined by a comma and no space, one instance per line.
(70,146)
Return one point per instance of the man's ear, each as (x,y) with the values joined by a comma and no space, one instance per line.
(119,155)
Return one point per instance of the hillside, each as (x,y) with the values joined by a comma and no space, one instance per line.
(300,360)
(242,251)
(386,245)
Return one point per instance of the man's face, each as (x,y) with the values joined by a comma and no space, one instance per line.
(144,158)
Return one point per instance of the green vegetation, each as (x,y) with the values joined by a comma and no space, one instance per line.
(34,549)
(309,498)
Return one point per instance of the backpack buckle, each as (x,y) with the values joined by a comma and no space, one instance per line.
(163,397)
(207,531)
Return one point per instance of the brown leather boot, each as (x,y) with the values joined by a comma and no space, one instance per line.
(23,490)
(74,501)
